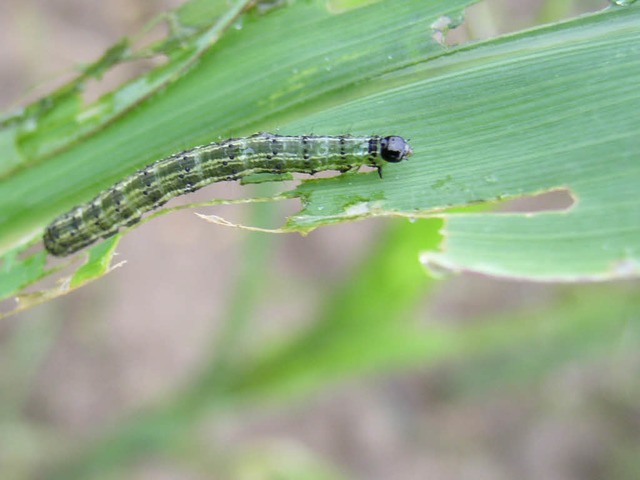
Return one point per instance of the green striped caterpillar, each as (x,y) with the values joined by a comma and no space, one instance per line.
(124,203)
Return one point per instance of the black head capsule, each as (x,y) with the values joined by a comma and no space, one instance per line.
(394,149)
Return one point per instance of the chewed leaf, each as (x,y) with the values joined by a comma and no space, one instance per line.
(555,108)
(97,265)
(546,109)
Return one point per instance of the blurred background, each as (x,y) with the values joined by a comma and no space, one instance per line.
(215,352)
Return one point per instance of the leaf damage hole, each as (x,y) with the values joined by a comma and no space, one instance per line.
(118,76)
(132,57)
(442,30)
(557,200)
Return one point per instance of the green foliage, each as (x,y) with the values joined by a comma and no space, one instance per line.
(550,108)
(536,111)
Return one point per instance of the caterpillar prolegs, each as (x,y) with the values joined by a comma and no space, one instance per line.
(124,203)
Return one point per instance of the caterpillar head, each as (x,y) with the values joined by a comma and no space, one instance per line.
(394,149)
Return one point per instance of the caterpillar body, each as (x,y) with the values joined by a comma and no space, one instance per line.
(125,202)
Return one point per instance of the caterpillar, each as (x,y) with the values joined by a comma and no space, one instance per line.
(123,204)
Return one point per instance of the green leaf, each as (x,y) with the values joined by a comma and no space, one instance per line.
(59,120)
(98,264)
(553,108)
(18,272)
(221,97)
(546,109)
